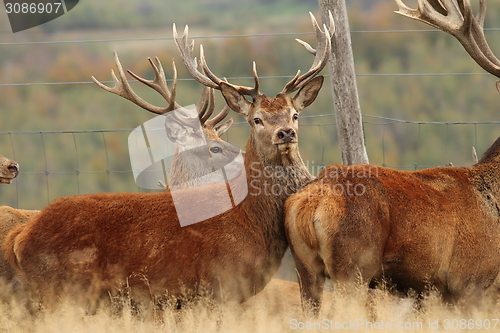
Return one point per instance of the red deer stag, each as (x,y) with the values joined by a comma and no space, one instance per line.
(184,170)
(97,243)
(438,226)
(8,170)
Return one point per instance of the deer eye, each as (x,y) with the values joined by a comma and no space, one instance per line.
(296,116)
(258,121)
(215,150)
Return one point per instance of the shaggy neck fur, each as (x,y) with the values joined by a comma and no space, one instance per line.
(484,178)
(270,182)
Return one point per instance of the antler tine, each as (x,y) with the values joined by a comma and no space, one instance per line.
(331,31)
(322,53)
(212,123)
(218,118)
(186,50)
(206,109)
(456,18)
(205,105)
(205,76)
(159,83)
(122,88)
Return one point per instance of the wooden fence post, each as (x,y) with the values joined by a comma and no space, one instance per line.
(343,80)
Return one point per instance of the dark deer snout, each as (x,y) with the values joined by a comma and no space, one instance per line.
(287,135)
(14,168)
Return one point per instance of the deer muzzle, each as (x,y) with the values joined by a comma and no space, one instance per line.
(286,135)
(11,172)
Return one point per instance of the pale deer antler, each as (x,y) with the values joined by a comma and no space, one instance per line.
(322,53)
(475,160)
(207,78)
(159,83)
(206,106)
(122,88)
(209,107)
(456,18)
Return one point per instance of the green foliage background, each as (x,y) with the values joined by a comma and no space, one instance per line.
(386,46)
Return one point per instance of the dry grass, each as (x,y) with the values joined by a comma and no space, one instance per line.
(271,311)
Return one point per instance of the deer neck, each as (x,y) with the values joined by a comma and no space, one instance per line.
(486,181)
(485,173)
(270,181)
(286,173)
(485,178)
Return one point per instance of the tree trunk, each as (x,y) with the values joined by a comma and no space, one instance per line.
(343,81)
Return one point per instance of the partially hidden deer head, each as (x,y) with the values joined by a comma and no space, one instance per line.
(9,170)
(197,150)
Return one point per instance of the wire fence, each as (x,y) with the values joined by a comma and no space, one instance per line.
(100,157)
(98,166)
(294,34)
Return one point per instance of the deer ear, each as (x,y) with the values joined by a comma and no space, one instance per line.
(176,132)
(222,128)
(235,100)
(498,86)
(308,93)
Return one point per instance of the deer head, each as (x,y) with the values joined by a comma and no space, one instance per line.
(273,121)
(9,170)
(199,149)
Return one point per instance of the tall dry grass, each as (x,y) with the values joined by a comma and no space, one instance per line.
(276,309)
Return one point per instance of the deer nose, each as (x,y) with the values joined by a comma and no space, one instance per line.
(286,135)
(13,168)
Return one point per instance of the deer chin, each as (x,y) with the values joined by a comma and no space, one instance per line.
(286,148)
(6,180)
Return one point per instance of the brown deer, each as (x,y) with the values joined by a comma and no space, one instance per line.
(8,170)
(438,226)
(92,244)
(184,170)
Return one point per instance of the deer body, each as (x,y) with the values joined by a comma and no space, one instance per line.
(184,172)
(102,241)
(437,226)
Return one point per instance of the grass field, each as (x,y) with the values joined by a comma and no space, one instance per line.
(276,309)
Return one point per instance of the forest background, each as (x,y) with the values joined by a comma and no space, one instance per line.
(424,101)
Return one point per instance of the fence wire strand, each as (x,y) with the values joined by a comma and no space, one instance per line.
(109,170)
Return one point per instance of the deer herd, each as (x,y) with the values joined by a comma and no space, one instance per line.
(435,227)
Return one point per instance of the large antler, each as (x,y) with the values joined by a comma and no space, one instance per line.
(122,88)
(207,78)
(159,83)
(322,53)
(456,18)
